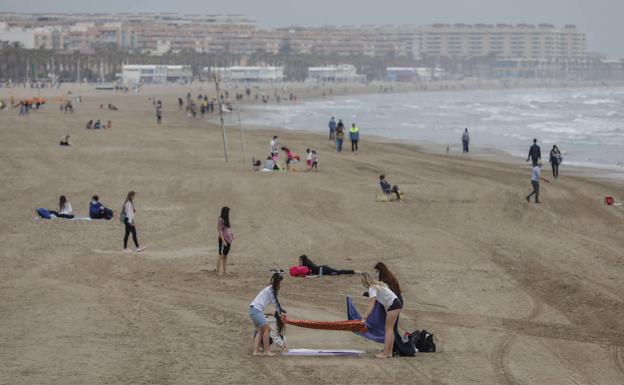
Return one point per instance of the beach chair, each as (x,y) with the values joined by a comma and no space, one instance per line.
(383,197)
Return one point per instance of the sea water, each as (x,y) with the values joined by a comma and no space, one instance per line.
(587,124)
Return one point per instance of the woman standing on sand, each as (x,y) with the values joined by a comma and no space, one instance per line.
(379,292)
(127,217)
(225,239)
(555,161)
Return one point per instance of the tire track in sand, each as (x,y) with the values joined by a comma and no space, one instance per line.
(618,360)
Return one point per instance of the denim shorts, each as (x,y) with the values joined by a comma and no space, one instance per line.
(257,317)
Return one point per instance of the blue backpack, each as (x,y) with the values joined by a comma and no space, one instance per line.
(43,213)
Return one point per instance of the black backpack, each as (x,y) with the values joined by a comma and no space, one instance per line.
(423,341)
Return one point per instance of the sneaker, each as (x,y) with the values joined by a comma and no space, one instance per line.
(140,249)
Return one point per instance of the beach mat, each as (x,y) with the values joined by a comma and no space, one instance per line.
(324,352)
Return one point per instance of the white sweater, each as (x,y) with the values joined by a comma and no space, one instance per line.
(67,209)
(129,211)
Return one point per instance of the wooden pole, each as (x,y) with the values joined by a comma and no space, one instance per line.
(225,146)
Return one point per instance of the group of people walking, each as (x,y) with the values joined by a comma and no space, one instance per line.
(337,133)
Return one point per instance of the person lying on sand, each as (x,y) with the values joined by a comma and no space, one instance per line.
(326,270)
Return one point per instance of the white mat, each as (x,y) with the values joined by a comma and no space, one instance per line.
(323,352)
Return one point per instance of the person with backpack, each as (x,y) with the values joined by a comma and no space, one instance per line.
(265,297)
(226,237)
(340,134)
(555,161)
(379,292)
(127,218)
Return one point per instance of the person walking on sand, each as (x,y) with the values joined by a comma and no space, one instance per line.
(465,141)
(340,134)
(332,129)
(127,218)
(274,145)
(535,153)
(555,161)
(354,136)
(536,175)
(226,238)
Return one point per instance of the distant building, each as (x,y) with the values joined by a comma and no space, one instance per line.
(155,74)
(521,41)
(24,36)
(251,74)
(335,73)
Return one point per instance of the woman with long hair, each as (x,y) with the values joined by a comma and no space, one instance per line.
(266,296)
(327,270)
(226,237)
(379,292)
(65,209)
(555,161)
(386,276)
(128,212)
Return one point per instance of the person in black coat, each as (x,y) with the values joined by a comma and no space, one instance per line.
(535,153)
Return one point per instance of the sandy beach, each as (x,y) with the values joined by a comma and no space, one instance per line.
(514,293)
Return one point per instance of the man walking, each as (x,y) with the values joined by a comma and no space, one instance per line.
(332,129)
(536,175)
(465,141)
(354,136)
(535,153)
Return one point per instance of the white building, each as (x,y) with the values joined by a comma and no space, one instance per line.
(339,73)
(155,74)
(258,74)
(24,36)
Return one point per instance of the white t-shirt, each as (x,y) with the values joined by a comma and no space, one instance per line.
(67,209)
(264,298)
(383,295)
(129,211)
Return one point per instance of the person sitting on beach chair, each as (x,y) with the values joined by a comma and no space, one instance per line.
(388,189)
(65,141)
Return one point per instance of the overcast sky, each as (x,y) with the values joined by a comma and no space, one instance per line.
(600,19)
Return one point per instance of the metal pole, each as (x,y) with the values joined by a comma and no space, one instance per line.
(242,136)
(225,146)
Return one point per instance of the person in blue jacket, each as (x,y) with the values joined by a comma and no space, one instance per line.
(98,211)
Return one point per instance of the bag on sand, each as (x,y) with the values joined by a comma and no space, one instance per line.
(423,340)
(43,213)
(299,271)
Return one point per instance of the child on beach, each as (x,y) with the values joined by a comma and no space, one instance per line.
(263,331)
(387,188)
(276,334)
(314,160)
(308,160)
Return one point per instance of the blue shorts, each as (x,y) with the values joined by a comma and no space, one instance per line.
(257,317)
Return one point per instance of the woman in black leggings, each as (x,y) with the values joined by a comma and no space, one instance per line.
(128,220)
(327,270)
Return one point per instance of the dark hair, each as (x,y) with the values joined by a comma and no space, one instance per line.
(305,261)
(95,198)
(225,215)
(62,202)
(534,140)
(276,278)
(382,176)
(130,196)
(285,148)
(386,276)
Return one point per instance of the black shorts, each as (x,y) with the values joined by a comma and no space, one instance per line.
(396,304)
(224,247)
